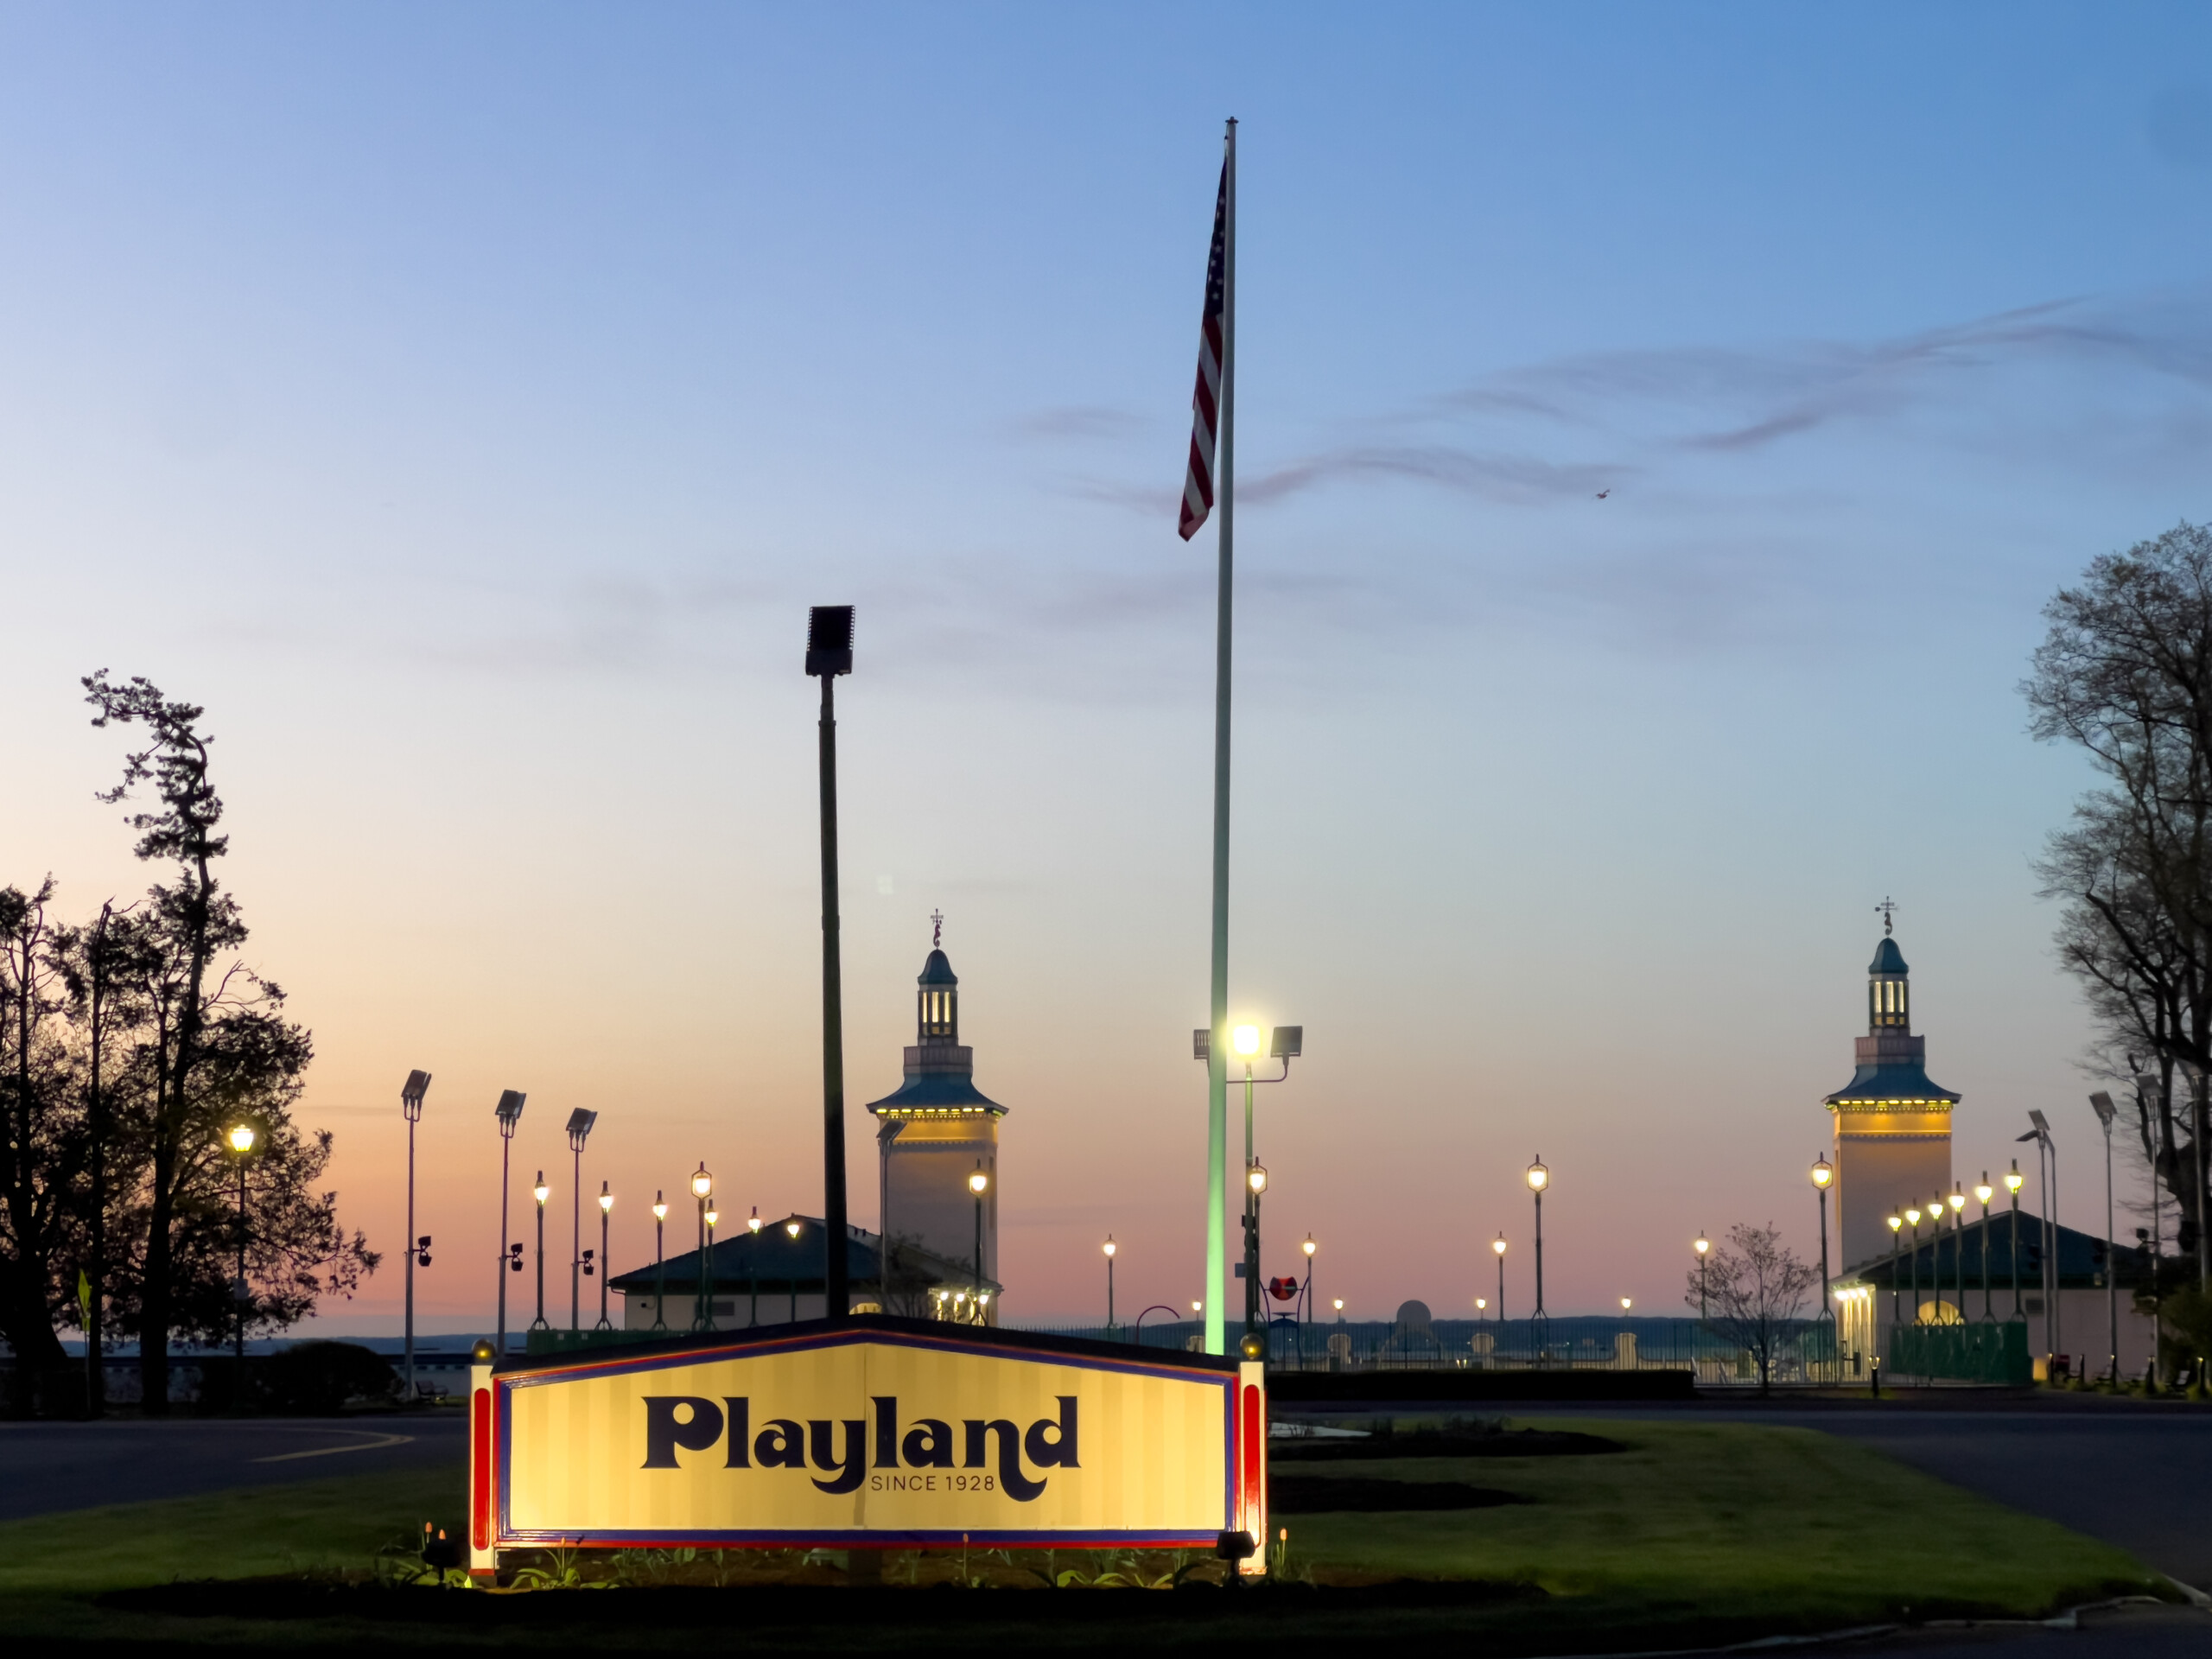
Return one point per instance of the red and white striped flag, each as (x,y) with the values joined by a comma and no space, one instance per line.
(1205,402)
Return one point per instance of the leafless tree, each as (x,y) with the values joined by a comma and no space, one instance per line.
(1753,1290)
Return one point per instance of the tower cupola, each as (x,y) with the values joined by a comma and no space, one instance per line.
(937,1004)
(1889,990)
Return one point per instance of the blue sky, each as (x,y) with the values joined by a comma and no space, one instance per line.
(465,405)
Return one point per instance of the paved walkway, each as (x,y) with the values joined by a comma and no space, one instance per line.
(46,1467)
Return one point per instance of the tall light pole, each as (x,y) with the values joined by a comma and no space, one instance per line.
(2100,1103)
(606,1209)
(1703,1246)
(1538,1326)
(1497,1245)
(660,1264)
(1108,1248)
(703,1188)
(579,1122)
(979,1183)
(2047,1180)
(1958,1203)
(2013,1182)
(1306,1296)
(509,1112)
(1896,1226)
(241,1138)
(1823,1172)
(1912,1216)
(410,1103)
(830,653)
(541,1192)
(1983,1192)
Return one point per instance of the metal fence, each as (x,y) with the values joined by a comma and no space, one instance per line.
(1802,1351)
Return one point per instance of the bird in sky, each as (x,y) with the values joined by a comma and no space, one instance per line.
(1602,494)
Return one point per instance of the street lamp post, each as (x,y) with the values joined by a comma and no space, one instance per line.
(660,1264)
(1498,1245)
(979,1183)
(752,1268)
(1702,1245)
(2047,1182)
(509,1112)
(2100,1103)
(703,1188)
(1823,1172)
(1912,1214)
(830,653)
(1305,1297)
(579,1122)
(2012,1183)
(1539,1177)
(1108,1247)
(541,1192)
(1896,1225)
(714,1272)
(1958,1203)
(1983,1192)
(606,1209)
(1255,1345)
(241,1138)
(410,1103)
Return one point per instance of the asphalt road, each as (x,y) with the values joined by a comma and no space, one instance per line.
(47,1467)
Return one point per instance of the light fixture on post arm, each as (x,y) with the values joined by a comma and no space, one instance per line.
(1539,1177)
(241,1139)
(2100,1103)
(1286,1043)
(606,1209)
(1823,1174)
(660,1264)
(509,1113)
(1983,1192)
(703,1188)
(410,1103)
(541,1192)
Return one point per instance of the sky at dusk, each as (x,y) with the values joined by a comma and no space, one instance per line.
(465,405)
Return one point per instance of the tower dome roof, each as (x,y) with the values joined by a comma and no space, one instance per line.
(1888,959)
(937,971)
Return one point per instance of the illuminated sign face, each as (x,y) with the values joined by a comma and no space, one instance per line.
(884,1431)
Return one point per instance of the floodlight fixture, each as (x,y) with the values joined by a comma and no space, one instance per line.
(412,1093)
(1201,1044)
(1286,1042)
(579,1122)
(2101,1104)
(829,640)
(509,1111)
(1245,1039)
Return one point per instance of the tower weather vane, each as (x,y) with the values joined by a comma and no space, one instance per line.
(1887,909)
(936,929)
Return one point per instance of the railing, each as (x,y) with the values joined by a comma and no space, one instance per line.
(1803,1350)
(1974,1352)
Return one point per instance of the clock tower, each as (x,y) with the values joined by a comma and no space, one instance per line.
(1892,1123)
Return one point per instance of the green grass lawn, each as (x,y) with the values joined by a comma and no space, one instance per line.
(1697,1532)
(1785,1529)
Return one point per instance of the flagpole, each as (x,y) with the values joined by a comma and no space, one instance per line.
(1217,1049)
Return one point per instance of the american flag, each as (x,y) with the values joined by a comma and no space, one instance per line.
(1205,402)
